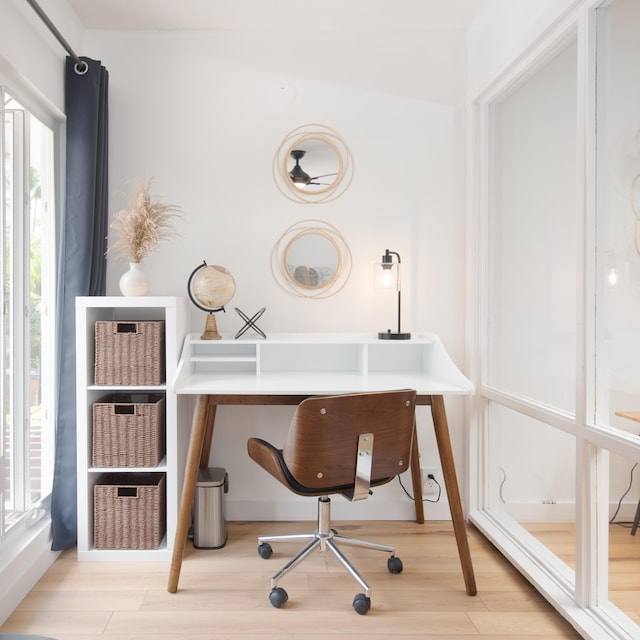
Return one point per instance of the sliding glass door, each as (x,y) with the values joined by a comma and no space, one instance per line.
(556,428)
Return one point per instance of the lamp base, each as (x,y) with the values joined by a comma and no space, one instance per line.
(388,335)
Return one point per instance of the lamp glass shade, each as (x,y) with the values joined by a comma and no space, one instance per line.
(386,276)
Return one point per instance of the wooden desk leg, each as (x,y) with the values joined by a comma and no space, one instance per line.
(636,520)
(416,476)
(194,453)
(210,418)
(451,483)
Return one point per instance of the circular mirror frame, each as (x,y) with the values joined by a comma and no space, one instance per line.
(303,229)
(295,139)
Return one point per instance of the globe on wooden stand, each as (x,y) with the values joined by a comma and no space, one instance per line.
(210,287)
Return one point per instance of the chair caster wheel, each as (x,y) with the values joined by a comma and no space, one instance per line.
(278,597)
(265,550)
(394,565)
(362,604)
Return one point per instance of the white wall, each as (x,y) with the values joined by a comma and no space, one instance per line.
(200,113)
(502,32)
(207,125)
(205,113)
(31,59)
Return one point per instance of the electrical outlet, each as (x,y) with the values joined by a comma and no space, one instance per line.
(430,486)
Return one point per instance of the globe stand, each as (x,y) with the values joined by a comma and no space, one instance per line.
(210,287)
(211,329)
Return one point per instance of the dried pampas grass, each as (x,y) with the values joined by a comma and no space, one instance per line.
(139,229)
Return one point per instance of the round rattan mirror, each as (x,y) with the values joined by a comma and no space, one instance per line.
(312,165)
(311,259)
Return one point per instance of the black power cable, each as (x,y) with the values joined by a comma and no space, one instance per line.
(613,517)
(424,499)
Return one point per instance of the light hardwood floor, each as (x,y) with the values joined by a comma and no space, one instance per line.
(223,594)
(624,560)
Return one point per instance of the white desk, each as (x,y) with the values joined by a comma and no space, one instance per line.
(285,369)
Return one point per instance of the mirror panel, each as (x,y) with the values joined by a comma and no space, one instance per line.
(311,259)
(312,165)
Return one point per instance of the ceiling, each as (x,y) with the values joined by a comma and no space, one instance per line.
(303,15)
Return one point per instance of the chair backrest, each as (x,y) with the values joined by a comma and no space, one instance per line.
(321,447)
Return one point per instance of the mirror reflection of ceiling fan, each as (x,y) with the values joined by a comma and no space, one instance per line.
(302,179)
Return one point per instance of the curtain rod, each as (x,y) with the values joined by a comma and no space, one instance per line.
(81,66)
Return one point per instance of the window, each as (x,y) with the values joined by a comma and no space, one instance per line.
(528,389)
(27,213)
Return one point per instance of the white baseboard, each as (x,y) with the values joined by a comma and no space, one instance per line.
(560,511)
(341,509)
(25,566)
(393,509)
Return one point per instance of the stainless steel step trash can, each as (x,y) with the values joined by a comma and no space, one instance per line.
(209,526)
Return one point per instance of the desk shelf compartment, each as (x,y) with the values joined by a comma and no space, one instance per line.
(316,363)
(399,356)
(313,357)
(216,357)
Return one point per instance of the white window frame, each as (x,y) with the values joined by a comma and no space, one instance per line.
(12,538)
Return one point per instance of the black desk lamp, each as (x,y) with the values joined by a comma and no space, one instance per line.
(387,276)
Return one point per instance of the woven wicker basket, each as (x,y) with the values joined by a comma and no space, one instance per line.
(128,430)
(129,511)
(129,353)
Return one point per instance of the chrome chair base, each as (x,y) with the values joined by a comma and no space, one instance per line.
(322,539)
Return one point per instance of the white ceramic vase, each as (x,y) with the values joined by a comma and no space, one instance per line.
(134,282)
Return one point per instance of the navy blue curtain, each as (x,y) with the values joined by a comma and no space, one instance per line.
(81,268)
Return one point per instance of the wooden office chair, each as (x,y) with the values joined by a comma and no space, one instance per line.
(343,445)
